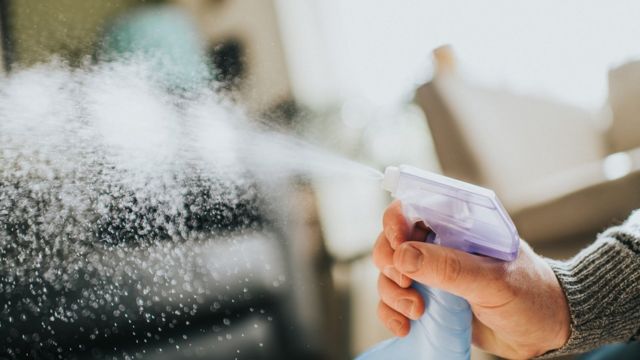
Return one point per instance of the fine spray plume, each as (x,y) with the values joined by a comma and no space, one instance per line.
(464,217)
(114,194)
(108,181)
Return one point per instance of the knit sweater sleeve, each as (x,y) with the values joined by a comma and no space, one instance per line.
(602,286)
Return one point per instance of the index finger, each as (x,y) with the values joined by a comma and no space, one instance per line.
(396,228)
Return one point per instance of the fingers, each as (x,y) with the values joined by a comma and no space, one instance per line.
(470,276)
(383,259)
(407,302)
(396,228)
(392,320)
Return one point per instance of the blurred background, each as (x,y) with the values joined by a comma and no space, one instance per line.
(538,100)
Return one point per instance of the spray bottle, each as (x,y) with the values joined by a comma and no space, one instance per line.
(461,216)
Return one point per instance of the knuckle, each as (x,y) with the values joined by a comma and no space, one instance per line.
(388,215)
(449,268)
(392,221)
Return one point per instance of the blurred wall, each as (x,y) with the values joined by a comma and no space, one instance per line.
(67,28)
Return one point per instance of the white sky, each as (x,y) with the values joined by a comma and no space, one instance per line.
(377,50)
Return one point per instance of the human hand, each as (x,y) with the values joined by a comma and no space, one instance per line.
(519,309)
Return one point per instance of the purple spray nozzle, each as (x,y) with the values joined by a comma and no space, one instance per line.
(463,216)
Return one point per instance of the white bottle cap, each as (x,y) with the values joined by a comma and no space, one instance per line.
(391,178)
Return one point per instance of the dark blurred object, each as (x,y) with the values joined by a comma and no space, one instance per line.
(197,309)
(5,33)
(244,44)
(549,162)
(209,279)
(229,63)
(628,351)
(287,114)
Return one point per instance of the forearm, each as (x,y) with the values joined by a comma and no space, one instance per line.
(602,285)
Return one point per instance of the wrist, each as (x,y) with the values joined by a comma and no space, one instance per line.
(563,332)
(560,321)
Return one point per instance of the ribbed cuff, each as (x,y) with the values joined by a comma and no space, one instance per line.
(602,286)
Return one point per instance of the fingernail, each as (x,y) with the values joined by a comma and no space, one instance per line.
(406,306)
(395,325)
(410,259)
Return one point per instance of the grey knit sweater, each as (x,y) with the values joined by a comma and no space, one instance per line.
(602,285)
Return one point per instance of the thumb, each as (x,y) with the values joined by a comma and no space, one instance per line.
(475,278)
